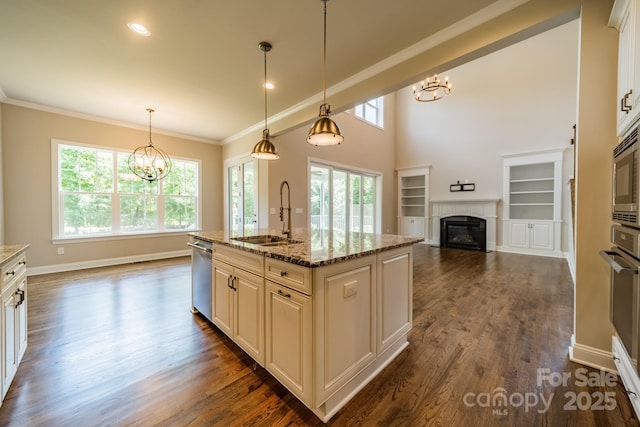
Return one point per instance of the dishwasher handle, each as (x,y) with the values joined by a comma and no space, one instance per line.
(202,248)
(610,256)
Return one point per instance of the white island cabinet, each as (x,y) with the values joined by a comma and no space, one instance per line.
(332,311)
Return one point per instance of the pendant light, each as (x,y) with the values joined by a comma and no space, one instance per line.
(325,131)
(148,162)
(265,149)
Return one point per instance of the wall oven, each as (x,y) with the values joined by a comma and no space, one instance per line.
(626,181)
(624,312)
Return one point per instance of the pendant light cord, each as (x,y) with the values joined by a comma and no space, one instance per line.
(265,89)
(150,110)
(324,58)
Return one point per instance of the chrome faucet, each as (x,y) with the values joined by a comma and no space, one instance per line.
(286,231)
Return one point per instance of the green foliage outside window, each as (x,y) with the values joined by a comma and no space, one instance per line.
(90,203)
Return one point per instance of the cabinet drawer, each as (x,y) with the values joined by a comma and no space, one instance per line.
(291,275)
(253,263)
(13,269)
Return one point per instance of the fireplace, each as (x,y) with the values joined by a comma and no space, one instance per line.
(463,232)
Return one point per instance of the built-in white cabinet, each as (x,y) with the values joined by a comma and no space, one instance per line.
(531,235)
(532,217)
(624,17)
(413,202)
(238,300)
(289,349)
(13,318)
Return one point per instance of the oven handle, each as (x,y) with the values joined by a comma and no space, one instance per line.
(608,256)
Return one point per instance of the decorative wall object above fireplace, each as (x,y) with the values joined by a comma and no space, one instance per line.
(462,187)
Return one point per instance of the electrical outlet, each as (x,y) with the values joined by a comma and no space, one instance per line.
(60,251)
(350,289)
(299,210)
(272,211)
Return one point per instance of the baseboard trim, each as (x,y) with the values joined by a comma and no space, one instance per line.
(508,249)
(59,268)
(571,262)
(592,357)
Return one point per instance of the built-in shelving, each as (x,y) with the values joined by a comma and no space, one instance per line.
(531,191)
(532,198)
(413,201)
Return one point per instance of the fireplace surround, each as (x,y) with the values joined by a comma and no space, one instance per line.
(486,209)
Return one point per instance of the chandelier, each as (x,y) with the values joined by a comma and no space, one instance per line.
(265,149)
(148,162)
(324,131)
(432,88)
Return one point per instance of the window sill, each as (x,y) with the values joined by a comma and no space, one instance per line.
(66,240)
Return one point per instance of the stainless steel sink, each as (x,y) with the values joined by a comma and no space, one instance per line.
(266,240)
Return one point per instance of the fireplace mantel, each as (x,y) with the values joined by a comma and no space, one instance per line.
(486,209)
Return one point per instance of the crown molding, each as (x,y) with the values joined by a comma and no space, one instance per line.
(54,110)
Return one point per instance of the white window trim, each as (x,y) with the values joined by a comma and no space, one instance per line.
(375,125)
(55,201)
(377,228)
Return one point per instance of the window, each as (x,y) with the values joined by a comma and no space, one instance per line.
(371,111)
(95,194)
(242,195)
(341,199)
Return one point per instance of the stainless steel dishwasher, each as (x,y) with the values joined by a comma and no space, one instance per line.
(201,260)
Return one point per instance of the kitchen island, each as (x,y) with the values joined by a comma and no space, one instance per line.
(324,311)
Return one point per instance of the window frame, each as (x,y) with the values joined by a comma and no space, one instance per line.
(57,217)
(378,105)
(379,183)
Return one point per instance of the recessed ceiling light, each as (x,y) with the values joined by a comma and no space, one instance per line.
(139,28)
(269,85)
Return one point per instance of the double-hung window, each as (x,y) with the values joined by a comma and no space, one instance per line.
(371,111)
(95,194)
(343,199)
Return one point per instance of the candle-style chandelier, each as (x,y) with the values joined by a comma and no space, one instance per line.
(432,89)
(148,162)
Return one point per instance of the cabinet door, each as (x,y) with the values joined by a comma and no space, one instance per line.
(288,339)
(625,65)
(394,297)
(9,351)
(222,295)
(542,236)
(412,226)
(519,234)
(21,318)
(249,314)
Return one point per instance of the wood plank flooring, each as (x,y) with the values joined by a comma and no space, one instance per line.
(118,346)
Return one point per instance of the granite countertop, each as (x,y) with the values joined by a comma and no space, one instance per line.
(9,251)
(317,248)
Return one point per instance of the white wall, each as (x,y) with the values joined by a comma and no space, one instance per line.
(516,100)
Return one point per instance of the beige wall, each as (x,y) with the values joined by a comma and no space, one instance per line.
(365,147)
(596,138)
(507,102)
(27,193)
(1,186)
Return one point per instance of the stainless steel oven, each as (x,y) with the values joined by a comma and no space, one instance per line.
(624,310)
(626,181)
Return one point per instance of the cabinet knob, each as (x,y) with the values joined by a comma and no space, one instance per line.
(283,273)
(10,273)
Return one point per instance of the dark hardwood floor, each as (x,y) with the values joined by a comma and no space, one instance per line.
(118,346)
